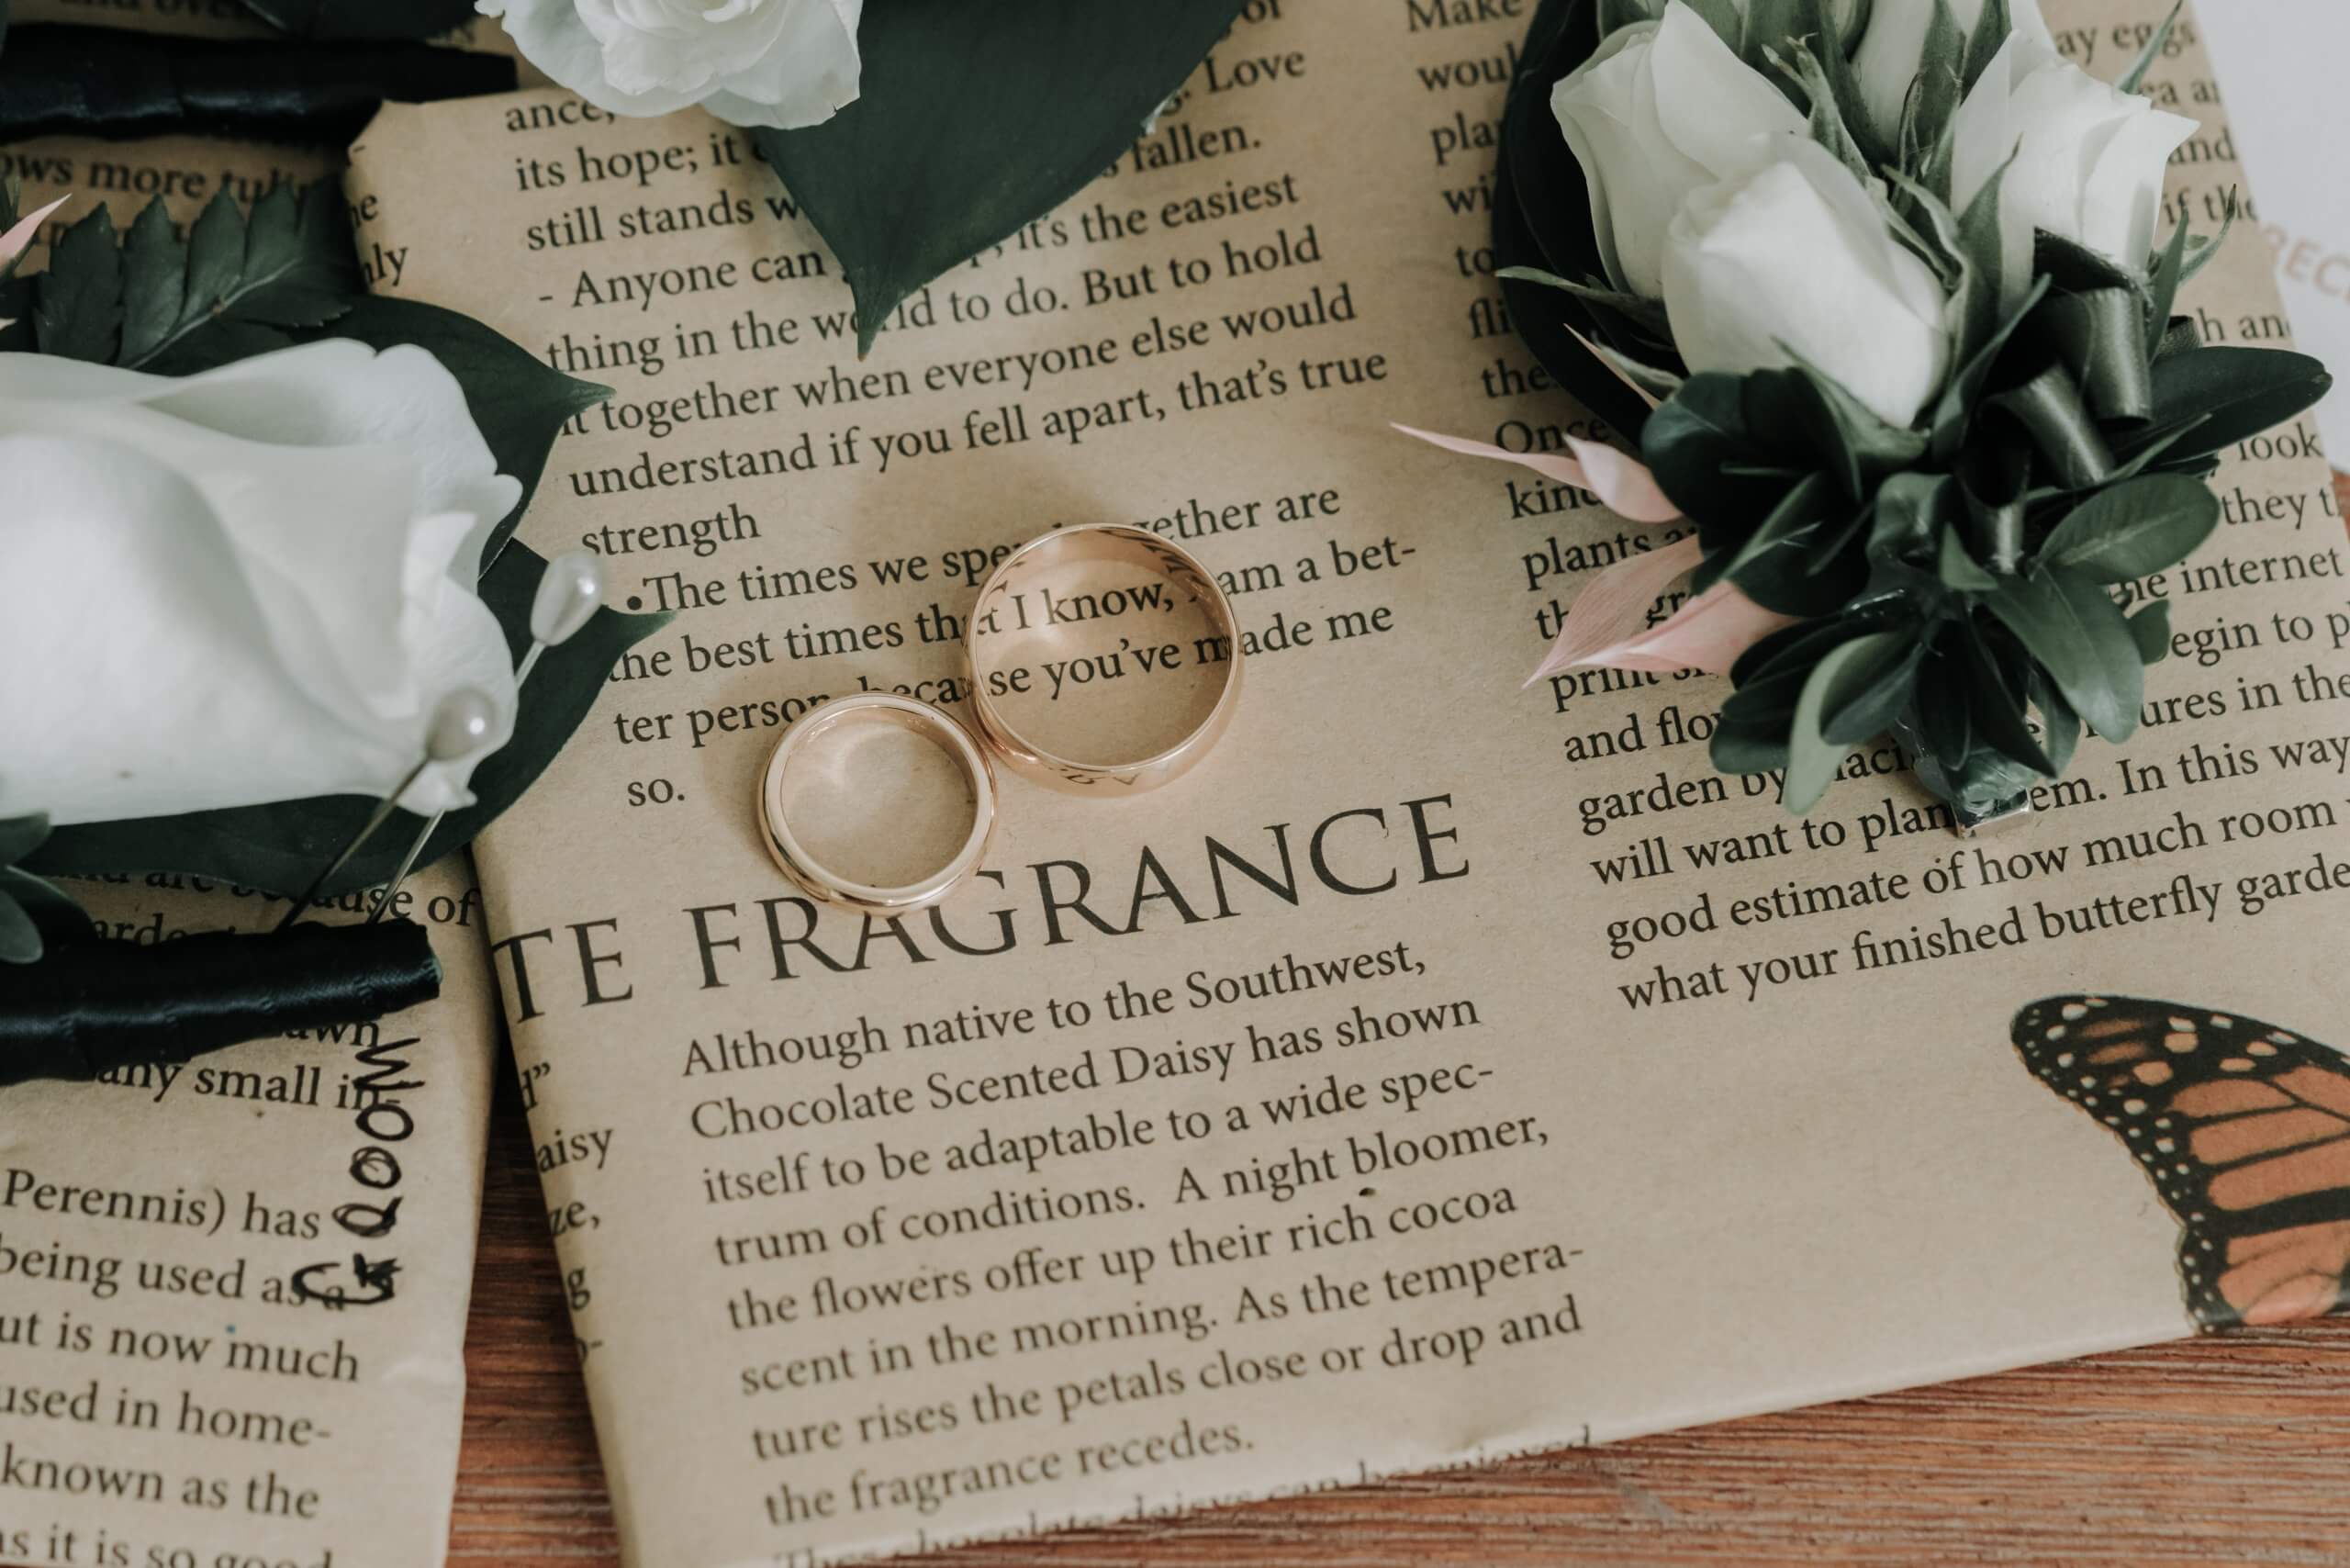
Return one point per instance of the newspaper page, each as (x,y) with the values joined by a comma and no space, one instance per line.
(169,1398)
(208,1354)
(1446,1068)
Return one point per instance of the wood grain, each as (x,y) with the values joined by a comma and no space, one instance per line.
(2228,1450)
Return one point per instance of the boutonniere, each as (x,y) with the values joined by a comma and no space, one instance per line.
(1878,292)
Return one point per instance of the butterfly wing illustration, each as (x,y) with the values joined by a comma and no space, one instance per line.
(2243,1128)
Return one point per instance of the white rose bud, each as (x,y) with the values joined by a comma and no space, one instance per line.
(777,63)
(247,586)
(2089,159)
(1795,257)
(1661,109)
(1893,51)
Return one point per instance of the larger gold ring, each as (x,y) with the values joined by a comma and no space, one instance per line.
(828,886)
(1113,543)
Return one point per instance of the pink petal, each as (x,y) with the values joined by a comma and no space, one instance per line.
(1608,623)
(1622,483)
(1641,392)
(15,242)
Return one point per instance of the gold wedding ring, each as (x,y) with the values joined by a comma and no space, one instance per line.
(797,749)
(1011,602)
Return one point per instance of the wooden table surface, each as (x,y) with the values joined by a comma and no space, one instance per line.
(2228,1450)
(2214,1451)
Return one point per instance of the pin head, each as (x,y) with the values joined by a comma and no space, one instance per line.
(462,725)
(567,598)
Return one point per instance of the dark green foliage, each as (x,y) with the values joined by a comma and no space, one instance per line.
(973,120)
(33,915)
(236,286)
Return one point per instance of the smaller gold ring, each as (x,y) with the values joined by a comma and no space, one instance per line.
(828,886)
(1101,542)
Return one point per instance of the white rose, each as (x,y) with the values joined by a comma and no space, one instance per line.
(247,586)
(1795,257)
(1661,109)
(2089,159)
(777,63)
(1893,51)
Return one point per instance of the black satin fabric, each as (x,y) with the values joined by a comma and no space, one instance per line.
(89,1006)
(64,80)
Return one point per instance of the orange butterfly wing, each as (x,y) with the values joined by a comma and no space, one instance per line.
(2244,1129)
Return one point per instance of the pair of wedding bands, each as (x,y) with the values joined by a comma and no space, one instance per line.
(1111,543)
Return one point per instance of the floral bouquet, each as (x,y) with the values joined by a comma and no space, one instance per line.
(271,514)
(1876,287)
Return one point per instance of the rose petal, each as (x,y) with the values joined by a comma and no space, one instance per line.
(1608,623)
(178,699)
(1621,482)
(288,602)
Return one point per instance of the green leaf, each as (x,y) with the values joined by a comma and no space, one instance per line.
(1959,571)
(29,908)
(297,270)
(1877,687)
(154,272)
(1749,740)
(236,287)
(1983,45)
(519,403)
(364,19)
(2161,288)
(1943,714)
(1777,565)
(1724,18)
(2151,630)
(1648,313)
(52,916)
(79,308)
(1790,650)
(2241,392)
(2067,623)
(1996,707)
(2204,252)
(216,254)
(1909,509)
(19,937)
(2130,530)
(282,846)
(1845,434)
(300,270)
(2060,727)
(20,836)
(1941,71)
(2135,77)
(1691,443)
(1828,122)
(1843,677)
(971,120)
